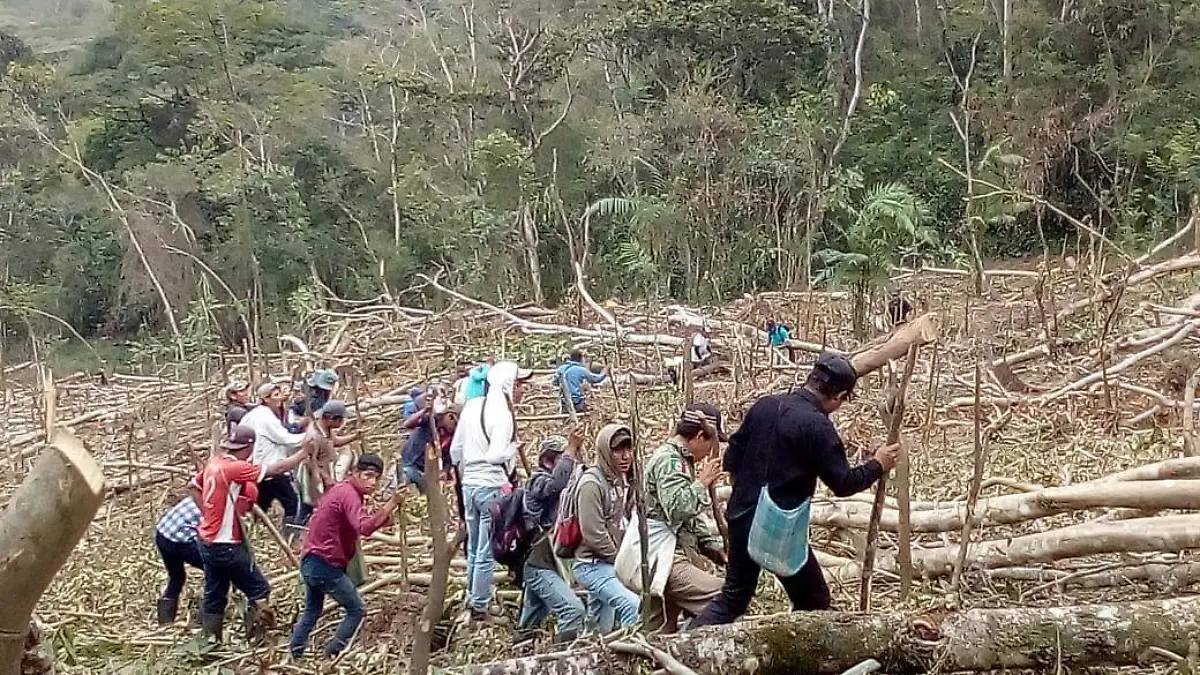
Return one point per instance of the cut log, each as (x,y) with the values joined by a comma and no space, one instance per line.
(828,643)
(1165,534)
(40,526)
(920,331)
(1140,495)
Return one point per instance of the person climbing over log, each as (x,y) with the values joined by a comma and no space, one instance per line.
(778,335)
(315,476)
(314,392)
(604,501)
(175,539)
(273,444)
(786,443)
(677,479)
(332,542)
(544,591)
(569,378)
(485,448)
(237,403)
(229,486)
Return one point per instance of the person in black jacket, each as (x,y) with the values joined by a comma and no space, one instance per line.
(545,591)
(786,443)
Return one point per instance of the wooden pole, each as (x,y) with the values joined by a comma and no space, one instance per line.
(423,640)
(976,484)
(639,496)
(277,536)
(895,421)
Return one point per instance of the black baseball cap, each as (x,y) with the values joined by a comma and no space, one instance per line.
(837,370)
(689,427)
(370,462)
(240,438)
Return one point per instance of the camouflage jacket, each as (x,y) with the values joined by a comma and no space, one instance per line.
(675,497)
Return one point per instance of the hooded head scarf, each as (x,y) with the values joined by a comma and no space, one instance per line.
(604,449)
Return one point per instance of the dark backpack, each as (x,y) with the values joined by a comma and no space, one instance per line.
(510,538)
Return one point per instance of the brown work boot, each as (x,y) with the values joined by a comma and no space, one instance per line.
(260,619)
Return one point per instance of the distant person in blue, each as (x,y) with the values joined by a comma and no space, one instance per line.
(414,404)
(311,396)
(777,338)
(570,376)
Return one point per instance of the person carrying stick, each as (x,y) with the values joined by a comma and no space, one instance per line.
(229,489)
(331,543)
(785,444)
(677,479)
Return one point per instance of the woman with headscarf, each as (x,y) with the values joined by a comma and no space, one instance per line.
(484,449)
(604,503)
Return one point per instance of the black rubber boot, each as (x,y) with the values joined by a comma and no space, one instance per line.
(167,609)
(212,625)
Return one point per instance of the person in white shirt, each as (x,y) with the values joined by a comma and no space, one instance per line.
(701,354)
(484,449)
(273,443)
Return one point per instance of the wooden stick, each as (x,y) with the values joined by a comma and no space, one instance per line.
(639,496)
(896,420)
(423,641)
(976,482)
(1190,444)
(275,534)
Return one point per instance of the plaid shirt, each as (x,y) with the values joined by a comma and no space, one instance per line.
(180,523)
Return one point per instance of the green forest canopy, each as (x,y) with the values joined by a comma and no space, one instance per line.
(172,155)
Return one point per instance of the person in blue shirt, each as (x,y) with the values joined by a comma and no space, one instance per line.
(570,376)
(777,337)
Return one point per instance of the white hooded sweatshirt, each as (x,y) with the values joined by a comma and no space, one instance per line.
(484,444)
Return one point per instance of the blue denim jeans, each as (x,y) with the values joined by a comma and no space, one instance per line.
(414,476)
(610,604)
(480,563)
(322,579)
(545,592)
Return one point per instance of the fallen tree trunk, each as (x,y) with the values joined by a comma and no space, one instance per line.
(39,528)
(1165,534)
(827,643)
(1140,495)
(920,331)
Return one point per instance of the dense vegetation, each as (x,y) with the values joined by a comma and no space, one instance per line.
(217,158)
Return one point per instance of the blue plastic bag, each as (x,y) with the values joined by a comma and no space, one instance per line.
(779,538)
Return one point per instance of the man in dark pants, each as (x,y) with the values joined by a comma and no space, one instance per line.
(786,443)
(229,488)
(175,539)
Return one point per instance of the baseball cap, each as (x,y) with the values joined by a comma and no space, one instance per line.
(689,427)
(333,408)
(236,385)
(836,370)
(619,438)
(323,379)
(370,462)
(556,444)
(267,388)
(240,438)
